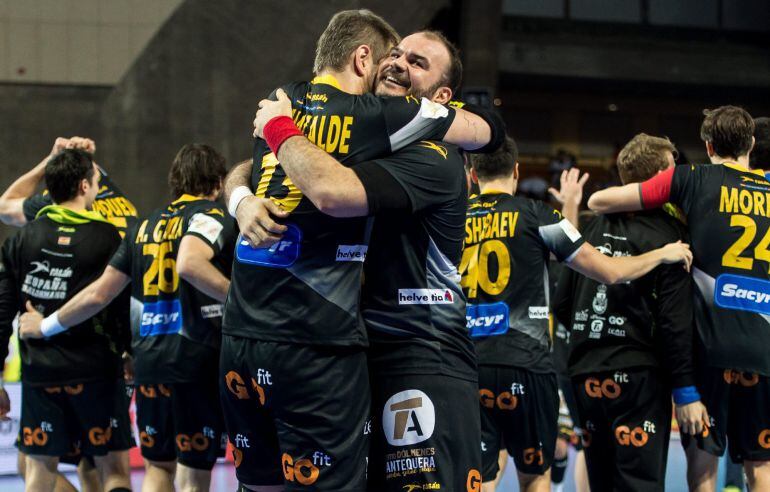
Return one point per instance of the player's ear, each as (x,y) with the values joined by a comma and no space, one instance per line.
(442,95)
(474,175)
(362,59)
(710,149)
(516,171)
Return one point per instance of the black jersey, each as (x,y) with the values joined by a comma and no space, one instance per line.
(644,323)
(47,262)
(728,216)
(411,299)
(110,202)
(508,241)
(305,289)
(176,328)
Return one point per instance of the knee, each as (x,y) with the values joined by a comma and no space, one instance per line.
(21,465)
(165,466)
(757,473)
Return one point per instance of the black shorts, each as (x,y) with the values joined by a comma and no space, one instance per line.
(519,412)
(739,406)
(425,433)
(568,428)
(122,430)
(296,415)
(66,420)
(626,422)
(182,422)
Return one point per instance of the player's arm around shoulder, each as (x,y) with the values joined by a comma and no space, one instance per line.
(613,270)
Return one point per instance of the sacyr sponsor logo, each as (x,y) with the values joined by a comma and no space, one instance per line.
(282,254)
(742,293)
(485,320)
(581,315)
(408,417)
(351,252)
(425,296)
(538,312)
(161,318)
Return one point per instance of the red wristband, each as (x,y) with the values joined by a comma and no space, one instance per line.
(278,130)
(657,190)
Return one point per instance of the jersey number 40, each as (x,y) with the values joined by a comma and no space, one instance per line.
(475,268)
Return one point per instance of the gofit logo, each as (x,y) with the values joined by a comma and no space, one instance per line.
(150,391)
(473,482)
(408,418)
(70,390)
(197,442)
(744,379)
(764,438)
(425,296)
(586,438)
(237,457)
(303,471)
(602,389)
(533,456)
(34,437)
(636,437)
(99,436)
(237,385)
(146,439)
(351,252)
(504,401)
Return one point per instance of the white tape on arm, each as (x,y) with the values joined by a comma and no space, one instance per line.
(50,325)
(236,197)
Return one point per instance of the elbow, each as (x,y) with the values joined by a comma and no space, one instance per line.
(185,268)
(328,202)
(595,203)
(609,277)
(99,298)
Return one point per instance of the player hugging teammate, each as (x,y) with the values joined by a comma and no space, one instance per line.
(383,330)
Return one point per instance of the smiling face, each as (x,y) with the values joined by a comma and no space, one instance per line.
(417,67)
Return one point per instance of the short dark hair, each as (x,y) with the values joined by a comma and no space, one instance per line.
(65,171)
(760,155)
(453,77)
(348,30)
(498,164)
(729,129)
(198,169)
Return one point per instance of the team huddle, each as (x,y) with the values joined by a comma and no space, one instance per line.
(356,319)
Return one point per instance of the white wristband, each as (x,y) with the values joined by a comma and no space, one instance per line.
(236,196)
(50,325)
